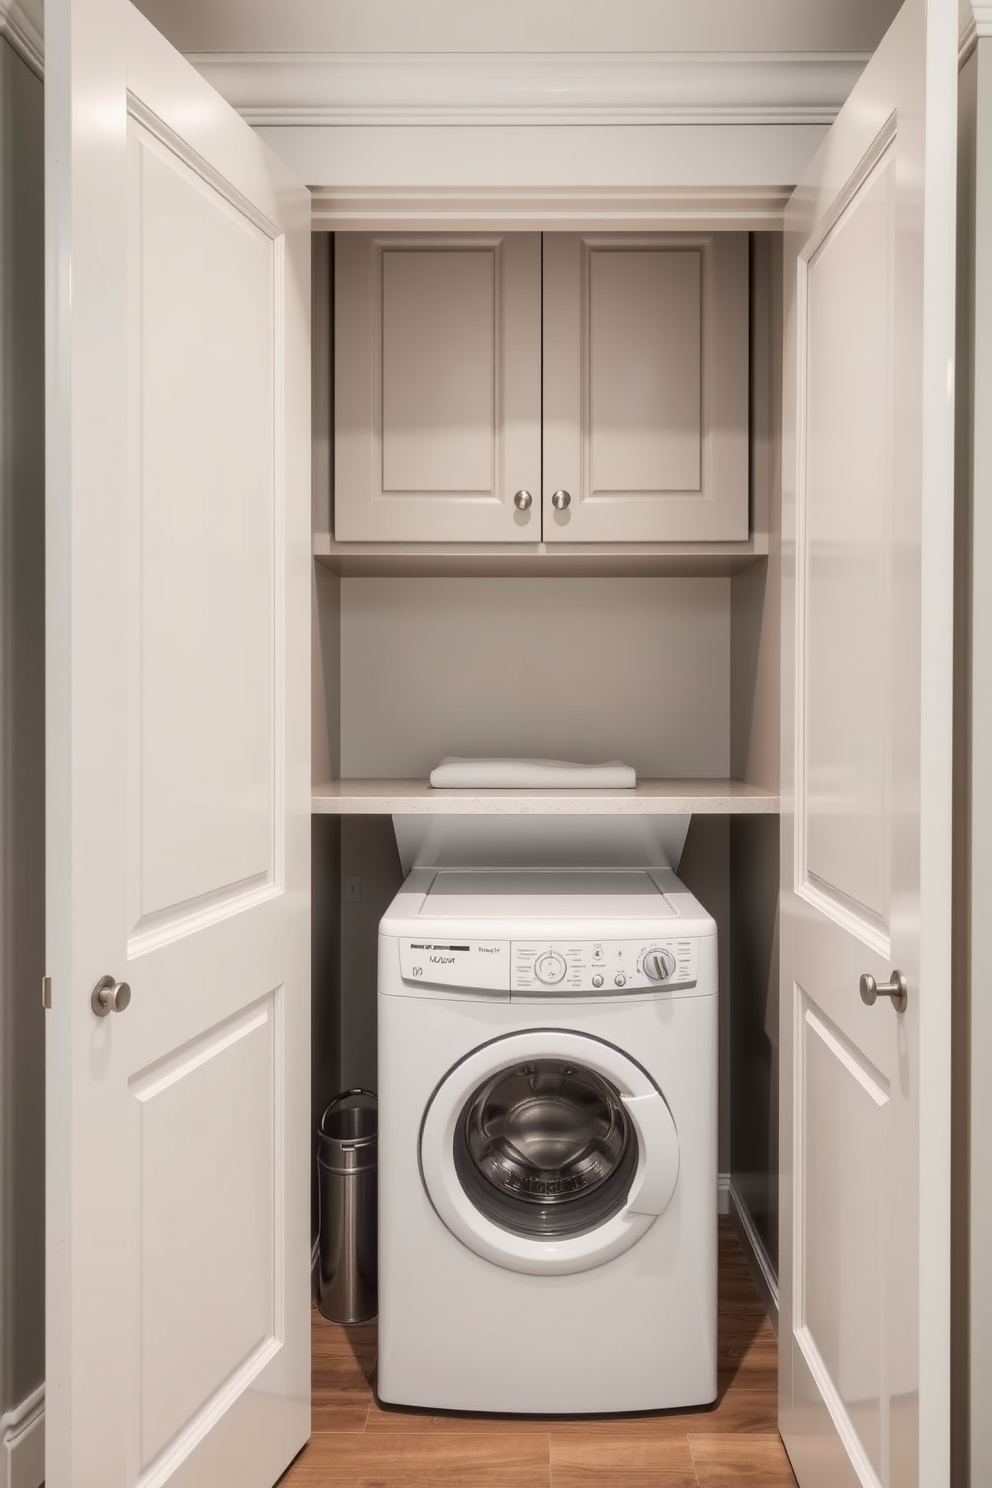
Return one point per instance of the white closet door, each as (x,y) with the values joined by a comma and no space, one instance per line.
(866,840)
(178,832)
(437,387)
(645,387)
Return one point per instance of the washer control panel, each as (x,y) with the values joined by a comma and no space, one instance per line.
(622,967)
(559,968)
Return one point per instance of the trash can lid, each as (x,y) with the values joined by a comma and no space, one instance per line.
(351,1120)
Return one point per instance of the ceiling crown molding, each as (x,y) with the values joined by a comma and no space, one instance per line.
(444,88)
(614,209)
(22,25)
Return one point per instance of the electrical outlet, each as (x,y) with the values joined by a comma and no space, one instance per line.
(352,889)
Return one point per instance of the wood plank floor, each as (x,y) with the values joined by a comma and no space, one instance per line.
(357,1443)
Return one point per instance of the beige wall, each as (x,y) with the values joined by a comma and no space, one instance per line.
(22,823)
(585,669)
(754,755)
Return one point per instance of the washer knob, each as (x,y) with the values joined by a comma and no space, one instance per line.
(658,964)
(597,980)
(550,968)
(620,980)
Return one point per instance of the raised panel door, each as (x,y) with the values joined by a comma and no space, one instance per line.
(866,823)
(437,375)
(645,387)
(178,812)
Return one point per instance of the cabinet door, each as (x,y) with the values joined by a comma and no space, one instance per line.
(437,376)
(178,809)
(645,387)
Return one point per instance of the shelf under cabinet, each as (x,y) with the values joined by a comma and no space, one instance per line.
(416,797)
(566,560)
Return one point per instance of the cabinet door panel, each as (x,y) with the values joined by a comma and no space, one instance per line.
(437,387)
(644,357)
(645,387)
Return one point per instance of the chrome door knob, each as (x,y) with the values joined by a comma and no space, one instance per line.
(522,500)
(560,500)
(895,987)
(110,996)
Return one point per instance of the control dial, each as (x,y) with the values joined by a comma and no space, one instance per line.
(658,964)
(550,968)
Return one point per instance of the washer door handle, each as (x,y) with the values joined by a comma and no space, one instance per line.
(658,1171)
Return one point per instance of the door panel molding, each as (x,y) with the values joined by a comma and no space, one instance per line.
(142,114)
(206,754)
(841,809)
(855,1467)
(827,1266)
(180,1116)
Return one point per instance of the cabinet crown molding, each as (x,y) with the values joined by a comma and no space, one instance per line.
(976,19)
(22,25)
(553,88)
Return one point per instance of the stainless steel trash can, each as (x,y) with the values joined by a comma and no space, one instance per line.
(347,1175)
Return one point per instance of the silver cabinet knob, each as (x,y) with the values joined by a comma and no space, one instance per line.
(110,996)
(522,500)
(895,987)
(560,500)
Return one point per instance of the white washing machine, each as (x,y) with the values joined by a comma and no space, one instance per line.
(548,1130)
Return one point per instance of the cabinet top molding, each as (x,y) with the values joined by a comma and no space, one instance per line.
(553,88)
(975,23)
(22,27)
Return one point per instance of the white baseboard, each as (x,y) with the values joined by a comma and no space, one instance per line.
(22,1443)
(765,1276)
(723,1193)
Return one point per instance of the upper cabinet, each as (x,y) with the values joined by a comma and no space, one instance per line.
(587,388)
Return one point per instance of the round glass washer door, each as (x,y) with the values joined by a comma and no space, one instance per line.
(548,1151)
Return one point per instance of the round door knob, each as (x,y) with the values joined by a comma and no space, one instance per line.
(522,500)
(896,988)
(658,964)
(110,996)
(560,500)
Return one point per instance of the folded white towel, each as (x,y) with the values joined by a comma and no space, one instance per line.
(531,774)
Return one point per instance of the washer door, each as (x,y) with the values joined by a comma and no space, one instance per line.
(548,1151)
